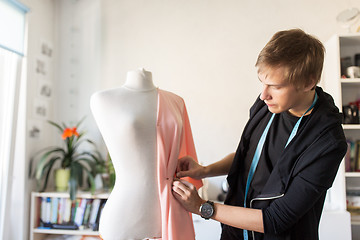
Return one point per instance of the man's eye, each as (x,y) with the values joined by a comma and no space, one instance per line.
(276,87)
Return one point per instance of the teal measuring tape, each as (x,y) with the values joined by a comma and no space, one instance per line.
(259,148)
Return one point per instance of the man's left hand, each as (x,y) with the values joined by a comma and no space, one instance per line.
(187,195)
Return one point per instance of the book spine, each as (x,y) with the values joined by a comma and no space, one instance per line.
(94,211)
(357,155)
(54,209)
(80,212)
(87,212)
(68,207)
(59,212)
(102,205)
(73,211)
(48,210)
(43,210)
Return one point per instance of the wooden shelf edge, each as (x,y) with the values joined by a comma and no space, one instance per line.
(352,174)
(351,126)
(102,195)
(357,223)
(66,232)
(350,80)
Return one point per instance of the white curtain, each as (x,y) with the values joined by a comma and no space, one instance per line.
(12,36)
(10,78)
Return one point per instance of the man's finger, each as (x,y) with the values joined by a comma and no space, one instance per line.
(181,174)
(177,196)
(186,183)
(179,185)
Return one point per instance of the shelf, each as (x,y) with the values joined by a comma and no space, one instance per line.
(66,232)
(355,222)
(350,80)
(38,233)
(352,40)
(101,195)
(355,219)
(343,91)
(351,126)
(352,174)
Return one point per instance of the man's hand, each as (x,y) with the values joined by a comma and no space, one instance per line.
(188,167)
(187,195)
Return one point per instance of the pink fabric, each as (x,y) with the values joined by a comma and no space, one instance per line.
(174,140)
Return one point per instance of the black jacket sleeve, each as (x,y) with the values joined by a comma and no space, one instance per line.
(307,186)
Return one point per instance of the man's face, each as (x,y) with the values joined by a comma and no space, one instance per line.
(279,95)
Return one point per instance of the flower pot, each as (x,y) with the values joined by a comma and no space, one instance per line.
(106,181)
(62,176)
(98,182)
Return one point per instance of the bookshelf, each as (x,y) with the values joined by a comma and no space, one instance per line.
(352,174)
(340,52)
(52,207)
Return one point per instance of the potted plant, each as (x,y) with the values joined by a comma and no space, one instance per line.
(74,163)
(103,171)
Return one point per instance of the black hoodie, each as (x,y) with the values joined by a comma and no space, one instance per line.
(292,197)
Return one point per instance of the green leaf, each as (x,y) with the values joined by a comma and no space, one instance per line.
(72,187)
(92,162)
(78,142)
(75,172)
(91,142)
(80,175)
(57,126)
(80,135)
(79,123)
(48,168)
(91,180)
(31,166)
(80,158)
(43,161)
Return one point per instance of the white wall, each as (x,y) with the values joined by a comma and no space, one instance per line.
(202,50)
(205,51)
(40,27)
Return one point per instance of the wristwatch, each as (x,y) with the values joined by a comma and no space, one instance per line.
(207,210)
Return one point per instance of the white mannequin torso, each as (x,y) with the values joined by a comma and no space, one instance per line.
(126,118)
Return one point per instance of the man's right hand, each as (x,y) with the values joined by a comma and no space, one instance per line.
(188,167)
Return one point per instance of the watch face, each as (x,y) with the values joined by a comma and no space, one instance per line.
(207,210)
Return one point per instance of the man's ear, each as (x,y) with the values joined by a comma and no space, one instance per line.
(311,86)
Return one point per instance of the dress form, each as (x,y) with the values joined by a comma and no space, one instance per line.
(126,118)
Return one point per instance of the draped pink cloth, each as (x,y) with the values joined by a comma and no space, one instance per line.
(174,140)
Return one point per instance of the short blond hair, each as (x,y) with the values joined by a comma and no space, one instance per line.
(301,54)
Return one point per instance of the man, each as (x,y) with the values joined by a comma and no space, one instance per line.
(288,154)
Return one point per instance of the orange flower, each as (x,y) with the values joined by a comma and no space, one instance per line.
(69,132)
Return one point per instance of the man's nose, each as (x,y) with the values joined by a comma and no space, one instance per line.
(265,93)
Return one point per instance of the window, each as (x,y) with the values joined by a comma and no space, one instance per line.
(10,64)
(12,25)
(12,31)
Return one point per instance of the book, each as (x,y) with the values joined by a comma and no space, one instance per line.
(67,213)
(80,212)
(65,226)
(352,155)
(348,156)
(54,209)
(94,212)
(96,225)
(43,209)
(61,211)
(357,156)
(87,212)
(74,206)
(47,210)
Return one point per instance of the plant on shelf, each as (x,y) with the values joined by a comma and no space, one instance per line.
(103,169)
(74,163)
